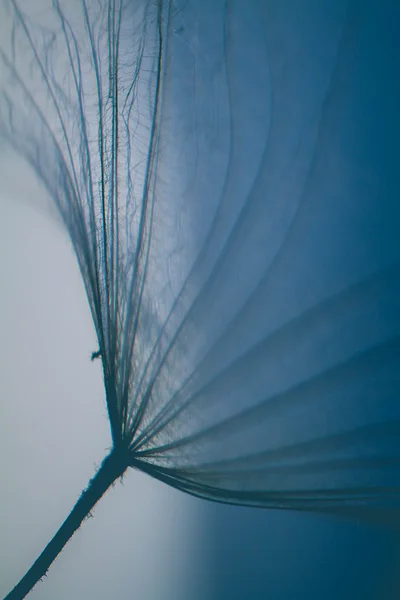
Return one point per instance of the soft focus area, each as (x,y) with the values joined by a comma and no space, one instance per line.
(265,326)
(145,539)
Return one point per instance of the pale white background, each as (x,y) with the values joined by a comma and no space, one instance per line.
(145,537)
(144,540)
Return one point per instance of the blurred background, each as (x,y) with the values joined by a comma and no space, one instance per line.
(146,540)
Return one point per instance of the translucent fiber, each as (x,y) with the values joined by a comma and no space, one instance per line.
(227,174)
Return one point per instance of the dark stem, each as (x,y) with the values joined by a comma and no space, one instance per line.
(112,467)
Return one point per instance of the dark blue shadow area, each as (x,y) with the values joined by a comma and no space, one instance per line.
(259,555)
(349,225)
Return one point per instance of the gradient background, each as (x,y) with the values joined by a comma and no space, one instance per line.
(147,541)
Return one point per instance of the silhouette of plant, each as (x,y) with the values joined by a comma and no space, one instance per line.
(244,356)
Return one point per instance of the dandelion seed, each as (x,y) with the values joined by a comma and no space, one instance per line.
(248,327)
